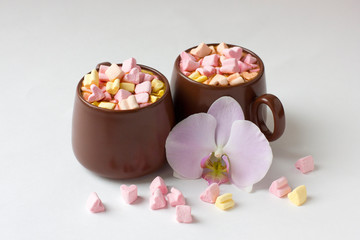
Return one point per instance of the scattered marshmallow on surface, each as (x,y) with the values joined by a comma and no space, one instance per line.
(211,193)
(175,197)
(94,203)
(305,164)
(280,187)
(298,196)
(157,200)
(183,214)
(129,193)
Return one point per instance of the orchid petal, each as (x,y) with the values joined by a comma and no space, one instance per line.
(189,142)
(249,152)
(226,110)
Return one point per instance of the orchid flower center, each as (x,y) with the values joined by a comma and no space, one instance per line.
(216,167)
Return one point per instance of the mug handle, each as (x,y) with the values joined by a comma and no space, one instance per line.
(278,114)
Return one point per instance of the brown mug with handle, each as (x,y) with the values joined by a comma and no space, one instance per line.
(193,97)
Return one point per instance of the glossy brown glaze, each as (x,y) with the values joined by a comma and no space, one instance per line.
(122,144)
(192,97)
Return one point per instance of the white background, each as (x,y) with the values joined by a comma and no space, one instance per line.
(311,53)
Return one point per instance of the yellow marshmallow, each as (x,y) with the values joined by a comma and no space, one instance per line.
(225,197)
(95,103)
(91,78)
(225,205)
(146,71)
(156,85)
(128,86)
(153,98)
(107,105)
(224,201)
(160,93)
(298,195)
(194,75)
(201,79)
(113,87)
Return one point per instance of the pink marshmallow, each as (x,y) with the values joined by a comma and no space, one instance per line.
(148,77)
(211,60)
(211,193)
(158,182)
(243,66)
(305,164)
(107,96)
(157,200)
(185,55)
(189,65)
(96,95)
(103,68)
(94,203)
(249,59)
(142,97)
(230,66)
(102,75)
(122,94)
(128,64)
(206,70)
(183,214)
(144,87)
(186,73)
(141,76)
(175,197)
(133,76)
(280,187)
(129,194)
(234,52)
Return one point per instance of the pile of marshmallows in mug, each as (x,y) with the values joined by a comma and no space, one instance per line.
(122,88)
(219,65)
(160,197)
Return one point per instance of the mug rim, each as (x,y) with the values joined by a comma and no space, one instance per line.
(156,72)
(257,78)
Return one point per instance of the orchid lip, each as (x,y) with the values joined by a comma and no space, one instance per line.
(216,169)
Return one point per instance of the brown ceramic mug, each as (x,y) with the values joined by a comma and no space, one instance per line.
(192,97)
(122,144)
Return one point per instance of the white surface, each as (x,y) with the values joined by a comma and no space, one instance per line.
(311,53)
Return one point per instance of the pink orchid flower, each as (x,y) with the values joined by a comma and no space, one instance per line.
(219,146)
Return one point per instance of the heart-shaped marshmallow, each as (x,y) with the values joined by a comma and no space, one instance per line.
(234,52)
(113,87)
(133,76)
(129,193)
(96,95)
